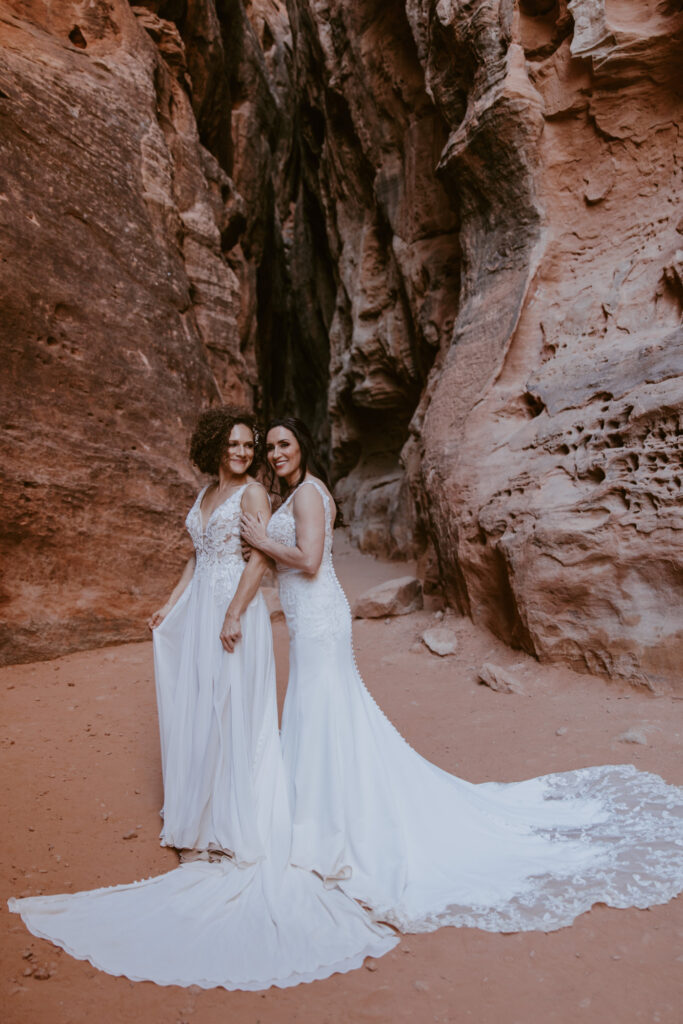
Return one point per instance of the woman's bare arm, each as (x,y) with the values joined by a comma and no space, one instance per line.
(309,515)
(254,503)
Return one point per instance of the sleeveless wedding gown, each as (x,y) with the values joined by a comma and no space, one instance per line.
(423,848)
(248,920)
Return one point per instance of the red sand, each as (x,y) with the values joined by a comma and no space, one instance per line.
(79,749)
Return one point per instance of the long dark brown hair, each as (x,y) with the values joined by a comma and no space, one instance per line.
(309,461)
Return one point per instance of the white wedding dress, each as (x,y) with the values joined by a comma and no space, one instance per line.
(423,848)
(248,920)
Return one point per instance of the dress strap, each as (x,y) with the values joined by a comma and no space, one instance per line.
(323,494)
(199,499)
(250,483)
(319,488)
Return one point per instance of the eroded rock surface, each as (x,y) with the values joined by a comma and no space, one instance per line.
(446,234)
(528,285)
(508,313)
(121,313)
(553,471)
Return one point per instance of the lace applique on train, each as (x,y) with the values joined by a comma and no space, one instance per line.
(423,848)
(314,606)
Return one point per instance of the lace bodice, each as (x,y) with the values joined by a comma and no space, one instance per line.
(217,548)
(314,605)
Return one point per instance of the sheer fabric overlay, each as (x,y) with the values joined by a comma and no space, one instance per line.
(250,919)
(423,848)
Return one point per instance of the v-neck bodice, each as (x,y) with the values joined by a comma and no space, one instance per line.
(217,546)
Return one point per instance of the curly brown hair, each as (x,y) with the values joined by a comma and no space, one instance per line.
(211,434)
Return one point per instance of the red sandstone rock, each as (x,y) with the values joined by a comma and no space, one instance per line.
(496,678)
(445,233)
(120,313)
(555,516)
(395,597)
(543,448)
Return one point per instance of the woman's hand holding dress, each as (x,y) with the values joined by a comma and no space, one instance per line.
(160,614)
(157,617)
(231,632)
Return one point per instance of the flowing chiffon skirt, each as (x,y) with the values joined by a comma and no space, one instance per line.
(250,919)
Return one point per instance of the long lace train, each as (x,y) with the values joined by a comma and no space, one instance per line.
(424,848)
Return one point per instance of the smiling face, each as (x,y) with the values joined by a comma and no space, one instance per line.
(239,451)
(284,453)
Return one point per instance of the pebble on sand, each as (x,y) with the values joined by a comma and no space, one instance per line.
(394,597)
(440,640)
(634,736)
(498,679)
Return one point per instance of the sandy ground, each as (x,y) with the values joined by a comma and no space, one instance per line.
(82,790)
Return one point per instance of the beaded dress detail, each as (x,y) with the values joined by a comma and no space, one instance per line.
(423,848)
(217,546)
(314,606)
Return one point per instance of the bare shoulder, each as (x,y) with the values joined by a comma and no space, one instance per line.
(255,498)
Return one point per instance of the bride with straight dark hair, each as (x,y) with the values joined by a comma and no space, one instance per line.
(418,846)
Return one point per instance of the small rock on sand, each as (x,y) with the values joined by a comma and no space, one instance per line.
(498,679)
(634,736)
(440,640)
(395,597)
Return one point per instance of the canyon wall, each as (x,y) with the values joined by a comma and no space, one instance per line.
(549,445)
(126,303)
(527,281)
(445,233)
